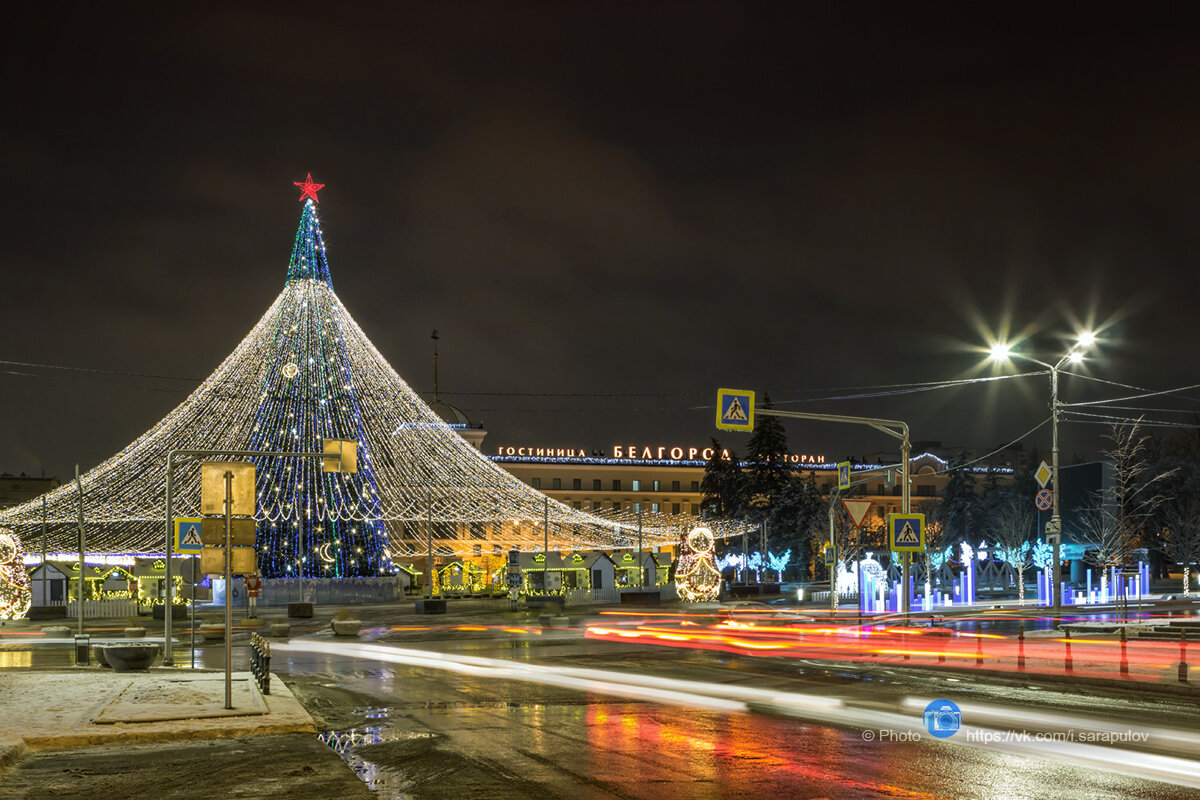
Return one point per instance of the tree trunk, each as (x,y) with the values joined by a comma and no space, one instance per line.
(1186,579)
(1020,586)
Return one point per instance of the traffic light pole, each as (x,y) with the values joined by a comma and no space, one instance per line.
(893,428)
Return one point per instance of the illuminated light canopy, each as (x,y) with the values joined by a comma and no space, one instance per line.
(306,371)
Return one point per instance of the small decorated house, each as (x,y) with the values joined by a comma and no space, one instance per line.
(601,570)
(541,573)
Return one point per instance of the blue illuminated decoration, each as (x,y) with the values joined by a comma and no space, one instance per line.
(308,395)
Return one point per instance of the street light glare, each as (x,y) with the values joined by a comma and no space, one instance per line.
(1000,352)
(1087,339)
(1076,357)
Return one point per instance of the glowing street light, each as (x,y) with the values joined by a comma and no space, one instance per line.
(1002,352)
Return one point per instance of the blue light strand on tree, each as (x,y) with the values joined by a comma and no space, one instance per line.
(307,395)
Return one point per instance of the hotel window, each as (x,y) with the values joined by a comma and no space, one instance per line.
(535,483)
(695,486)
(596,484)
(674,486)
(616,484)
(616,505)
(577,483)
(578,505)
(637,485)
(558,483)
(674,508)
(695,510)
(654,507)
(658,486)
(596,506)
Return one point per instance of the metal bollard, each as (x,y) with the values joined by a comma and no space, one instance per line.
(978,650)
(1124,656)
(1021,644)
(1183,668)
(1068,664)
(83,647)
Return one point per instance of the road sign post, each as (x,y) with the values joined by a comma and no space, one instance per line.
(906,533)
(843,476)
(187,535)
(735,410)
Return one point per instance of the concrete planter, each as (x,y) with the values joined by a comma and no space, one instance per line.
(135,633)
(300,610)
(212,632)
(98,651)
(281,629)
(57,632)
(130,657)
(346,627)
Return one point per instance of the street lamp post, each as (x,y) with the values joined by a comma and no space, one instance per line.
(1002,352)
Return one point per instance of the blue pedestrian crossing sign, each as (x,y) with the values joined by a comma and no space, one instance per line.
(735,409)
(906,533)
(844,475)
(187,535)
(829,556)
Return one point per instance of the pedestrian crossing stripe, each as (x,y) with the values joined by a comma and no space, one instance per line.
(906,532)
(187,535)
(735,409)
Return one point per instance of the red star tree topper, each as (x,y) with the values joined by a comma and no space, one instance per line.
(309,189)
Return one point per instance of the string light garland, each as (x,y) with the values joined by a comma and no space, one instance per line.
(697,579)
(15,593)
(306,371)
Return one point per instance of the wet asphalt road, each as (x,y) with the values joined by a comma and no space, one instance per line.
(412,732)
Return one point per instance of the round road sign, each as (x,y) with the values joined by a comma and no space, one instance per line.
(1044,499)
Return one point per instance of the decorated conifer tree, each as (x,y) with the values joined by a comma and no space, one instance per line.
(326,524)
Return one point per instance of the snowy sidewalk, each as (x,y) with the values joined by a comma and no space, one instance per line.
(77,707)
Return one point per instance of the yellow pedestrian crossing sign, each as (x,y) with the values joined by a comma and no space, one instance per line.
(187,535)
(906,533)
(735,409)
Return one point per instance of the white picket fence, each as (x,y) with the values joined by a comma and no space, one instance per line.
(103,608)
(592,597)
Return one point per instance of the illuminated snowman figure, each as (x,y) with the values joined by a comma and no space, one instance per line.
(15,595)
(697,578)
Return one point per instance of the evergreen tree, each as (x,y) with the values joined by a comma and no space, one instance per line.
(959,503)
(722,486)
(797,512)
(770,470)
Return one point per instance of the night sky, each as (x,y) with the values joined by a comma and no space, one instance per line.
(606,213)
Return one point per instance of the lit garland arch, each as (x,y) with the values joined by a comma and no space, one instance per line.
(304,372)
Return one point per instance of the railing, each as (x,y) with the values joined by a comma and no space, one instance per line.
(103,608)
(592,597)
(260,662)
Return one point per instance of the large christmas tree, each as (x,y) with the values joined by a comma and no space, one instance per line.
(315,523)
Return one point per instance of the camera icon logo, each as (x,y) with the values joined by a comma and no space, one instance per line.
(942,718)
